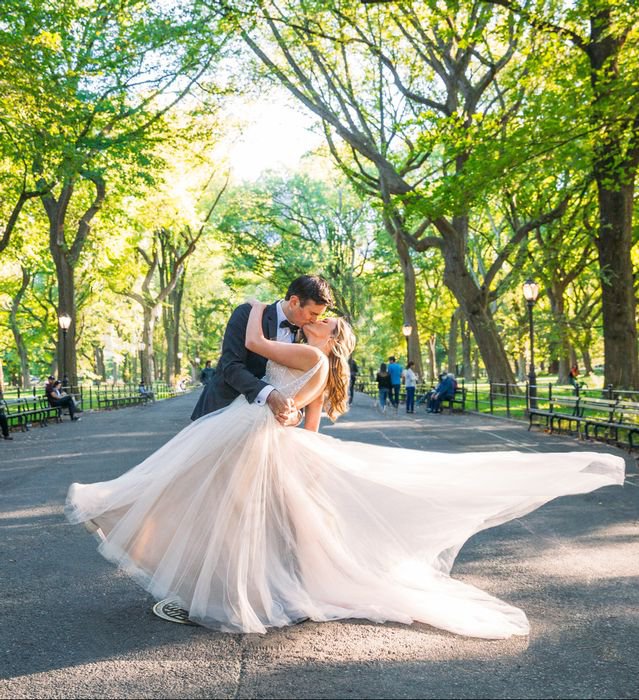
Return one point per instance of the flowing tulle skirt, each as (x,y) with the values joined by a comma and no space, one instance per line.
(251,525)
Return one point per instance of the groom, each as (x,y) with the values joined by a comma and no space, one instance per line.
(240,371)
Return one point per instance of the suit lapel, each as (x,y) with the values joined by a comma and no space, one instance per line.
(269,322)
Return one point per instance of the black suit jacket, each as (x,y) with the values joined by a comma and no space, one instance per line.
(238,370)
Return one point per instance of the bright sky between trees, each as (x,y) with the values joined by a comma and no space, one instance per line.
(271,135)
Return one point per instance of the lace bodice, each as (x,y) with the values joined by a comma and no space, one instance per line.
(286,380)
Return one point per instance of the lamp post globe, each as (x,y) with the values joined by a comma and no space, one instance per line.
(64,321)
(407,329)
(531,292)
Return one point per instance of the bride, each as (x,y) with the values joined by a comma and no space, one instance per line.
(251,525)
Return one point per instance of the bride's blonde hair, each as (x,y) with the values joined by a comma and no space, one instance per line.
(336,395)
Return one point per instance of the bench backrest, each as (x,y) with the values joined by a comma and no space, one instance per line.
(561,403)
(605,407)
(16,406)
(627,412)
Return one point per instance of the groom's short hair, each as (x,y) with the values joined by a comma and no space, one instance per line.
(310,288)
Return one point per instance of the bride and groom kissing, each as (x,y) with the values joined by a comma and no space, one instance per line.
(249,525)
(241,371)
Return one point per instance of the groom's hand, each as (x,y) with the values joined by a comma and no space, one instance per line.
(282,407)
(292,419)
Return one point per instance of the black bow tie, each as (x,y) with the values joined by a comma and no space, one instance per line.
(287,324)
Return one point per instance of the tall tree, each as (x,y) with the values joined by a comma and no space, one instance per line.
(165,260)
(605,33)
(425,111)
(96,79)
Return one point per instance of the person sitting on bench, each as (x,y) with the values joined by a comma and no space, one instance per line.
(56,397)
(4,422)
(444,391)
(145,393)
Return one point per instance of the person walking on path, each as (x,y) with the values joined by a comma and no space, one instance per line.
(410,382)
(354,371)
(4,422)
(383,387)
(395,371)
(572,378)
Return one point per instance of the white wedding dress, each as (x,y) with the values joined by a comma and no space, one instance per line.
(251,525)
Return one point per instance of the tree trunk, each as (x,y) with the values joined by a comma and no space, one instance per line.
(56,212)
(170,361)
(176,297)
(481,323)
(432,358)
(476,363)
(466,349)
(616,156)
(148,369)
(66,305)
(24,360)
(65,258)
(560,343)
(171,317)
(587,360)
(521,367)
(472,300)
(15,330)
(453,333)
(618,304)
(98,360)
(410,296)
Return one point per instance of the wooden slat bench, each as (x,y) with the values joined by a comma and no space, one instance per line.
(458,402)
(116,398)
(560,408)
(612,420)
(26,410)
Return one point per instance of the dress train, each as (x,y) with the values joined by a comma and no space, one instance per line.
(251,525)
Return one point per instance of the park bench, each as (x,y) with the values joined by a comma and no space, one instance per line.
(117,398)
(611,420)
(591,418)
(458,401)
(26,410)
(560,408)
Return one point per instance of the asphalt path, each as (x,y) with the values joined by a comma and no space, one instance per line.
(73,626)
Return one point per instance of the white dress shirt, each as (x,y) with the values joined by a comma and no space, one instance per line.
(410,378)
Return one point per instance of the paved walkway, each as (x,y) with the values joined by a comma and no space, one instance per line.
(74,627)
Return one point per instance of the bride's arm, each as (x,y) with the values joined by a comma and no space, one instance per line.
(295,356)
(313,413)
